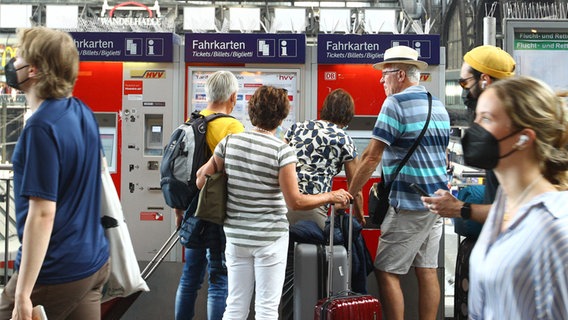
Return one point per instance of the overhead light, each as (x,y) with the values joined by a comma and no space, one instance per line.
(289,19)
(15,15)
(380,20)
(61,16)
(335,20)
(244,19)
(199,18)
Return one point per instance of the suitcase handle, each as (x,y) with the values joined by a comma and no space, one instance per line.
(330,249)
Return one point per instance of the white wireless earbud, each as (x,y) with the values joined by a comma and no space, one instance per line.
(483,84)
(522,140)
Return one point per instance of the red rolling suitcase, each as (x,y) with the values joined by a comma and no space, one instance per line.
(346,305)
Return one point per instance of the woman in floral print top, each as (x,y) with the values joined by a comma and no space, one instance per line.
(323,148)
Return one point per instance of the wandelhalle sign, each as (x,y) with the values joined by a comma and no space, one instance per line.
(370,48)
(124,46)
(245,48)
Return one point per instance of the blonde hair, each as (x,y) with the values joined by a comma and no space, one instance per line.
(56,58)
(532,104)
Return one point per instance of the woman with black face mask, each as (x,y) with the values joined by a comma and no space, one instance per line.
(517,267)
(482,66)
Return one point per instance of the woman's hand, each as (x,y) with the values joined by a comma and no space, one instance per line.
(341,197)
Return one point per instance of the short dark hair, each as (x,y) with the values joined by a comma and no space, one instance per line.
(477,74)
(338,107)
(268,106)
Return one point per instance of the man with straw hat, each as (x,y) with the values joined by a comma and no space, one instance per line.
(410,234)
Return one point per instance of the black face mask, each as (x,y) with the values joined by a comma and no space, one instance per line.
(468,99)
(11,74)
(481,148)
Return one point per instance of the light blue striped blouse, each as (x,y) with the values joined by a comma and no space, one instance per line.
(522,272)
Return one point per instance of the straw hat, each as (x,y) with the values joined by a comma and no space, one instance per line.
(401,54)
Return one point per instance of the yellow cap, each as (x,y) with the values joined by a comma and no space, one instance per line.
(492,61)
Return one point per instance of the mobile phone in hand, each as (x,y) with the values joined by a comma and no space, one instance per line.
(419,190)
(38,313)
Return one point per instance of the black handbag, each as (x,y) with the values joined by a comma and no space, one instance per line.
(379,202)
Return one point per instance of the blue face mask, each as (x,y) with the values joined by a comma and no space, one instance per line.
(481,148)
(11,74)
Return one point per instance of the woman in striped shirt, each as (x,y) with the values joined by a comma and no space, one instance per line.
(262,183)
(518,265)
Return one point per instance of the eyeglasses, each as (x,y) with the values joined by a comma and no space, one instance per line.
(463,82)
(385,72)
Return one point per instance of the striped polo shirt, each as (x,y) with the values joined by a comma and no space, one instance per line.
(521,273)
(402,117)
(256,210)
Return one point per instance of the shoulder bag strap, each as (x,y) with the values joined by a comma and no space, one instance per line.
(224,154)
(415,145)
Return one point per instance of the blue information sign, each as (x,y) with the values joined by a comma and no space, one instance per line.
(370,48)
(124,46)
(245,48)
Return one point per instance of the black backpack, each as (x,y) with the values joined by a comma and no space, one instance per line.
(186,152)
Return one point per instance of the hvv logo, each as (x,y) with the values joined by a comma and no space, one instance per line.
(285,77)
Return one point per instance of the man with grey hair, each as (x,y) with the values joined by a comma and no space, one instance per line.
(221,90)
(410,234)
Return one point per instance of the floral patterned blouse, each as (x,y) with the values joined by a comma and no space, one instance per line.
(322,148)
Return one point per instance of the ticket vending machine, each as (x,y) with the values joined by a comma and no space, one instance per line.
(131,81)
(345,61)
(255,59)
(149,102)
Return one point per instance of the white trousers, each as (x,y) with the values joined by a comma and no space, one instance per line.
(260,269)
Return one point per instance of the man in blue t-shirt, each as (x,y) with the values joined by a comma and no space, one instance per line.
(410,234)
(62,263)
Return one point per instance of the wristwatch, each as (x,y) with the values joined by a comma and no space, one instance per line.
(466,210)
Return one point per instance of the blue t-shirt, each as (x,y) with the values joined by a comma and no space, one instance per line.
(57,158)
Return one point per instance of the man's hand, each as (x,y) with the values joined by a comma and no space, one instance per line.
(445,204)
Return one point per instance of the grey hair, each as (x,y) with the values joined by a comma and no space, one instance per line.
(412,72)
(220,86)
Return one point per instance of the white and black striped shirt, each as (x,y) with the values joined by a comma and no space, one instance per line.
(256,210)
